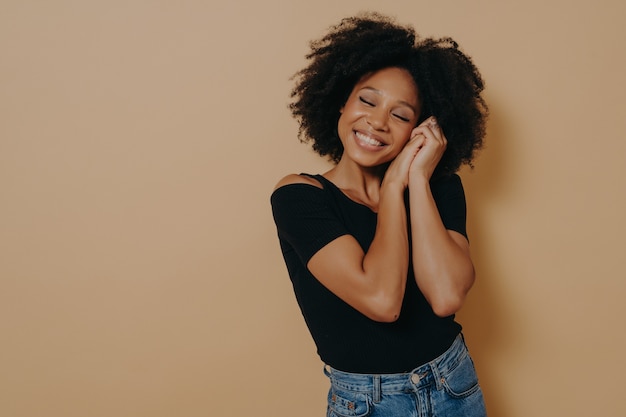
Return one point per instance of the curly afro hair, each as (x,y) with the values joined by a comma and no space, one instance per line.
(449,84)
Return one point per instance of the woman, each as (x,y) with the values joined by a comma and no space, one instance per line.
(376,248)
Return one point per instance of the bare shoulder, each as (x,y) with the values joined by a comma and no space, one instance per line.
(297,179)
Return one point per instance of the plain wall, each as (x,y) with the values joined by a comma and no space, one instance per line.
(140,273)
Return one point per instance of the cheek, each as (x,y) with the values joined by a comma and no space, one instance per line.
(405,135)
(343,127)
(348,116)
(401,139)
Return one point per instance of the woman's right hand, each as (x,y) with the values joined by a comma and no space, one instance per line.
(433,147)
(398,170)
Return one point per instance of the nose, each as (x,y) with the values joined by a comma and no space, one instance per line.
(377,119)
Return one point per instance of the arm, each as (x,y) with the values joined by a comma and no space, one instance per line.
(373,282)
(441,259)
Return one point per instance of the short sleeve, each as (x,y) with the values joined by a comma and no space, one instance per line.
(450,199)
(304,219)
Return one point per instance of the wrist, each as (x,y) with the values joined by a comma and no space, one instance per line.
(397,184)
(419,179)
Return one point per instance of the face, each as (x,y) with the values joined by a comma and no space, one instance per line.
(378,117)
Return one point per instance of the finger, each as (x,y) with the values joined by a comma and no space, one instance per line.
(432,131)
(418,131)
(416,141)
(436,129)
(429,134)
(429,124)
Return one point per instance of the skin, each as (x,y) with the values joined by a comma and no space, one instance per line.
(384,153)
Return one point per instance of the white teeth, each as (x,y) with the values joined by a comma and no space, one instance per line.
(368,140)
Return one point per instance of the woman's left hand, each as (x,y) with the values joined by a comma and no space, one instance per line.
(433,145)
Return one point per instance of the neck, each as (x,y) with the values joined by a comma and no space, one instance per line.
(361,184)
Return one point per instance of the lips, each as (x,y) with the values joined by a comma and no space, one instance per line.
(367,140)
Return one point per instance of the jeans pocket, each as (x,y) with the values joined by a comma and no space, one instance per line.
(348,404)
(461,381)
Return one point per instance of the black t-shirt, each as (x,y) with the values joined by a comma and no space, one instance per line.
(308,218)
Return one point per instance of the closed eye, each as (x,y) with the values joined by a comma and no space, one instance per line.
(404,119)
(369,103)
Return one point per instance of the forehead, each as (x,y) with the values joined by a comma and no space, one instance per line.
(392,82)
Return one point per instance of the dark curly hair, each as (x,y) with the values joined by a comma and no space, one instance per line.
(449,84)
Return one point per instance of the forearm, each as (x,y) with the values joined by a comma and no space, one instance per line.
(442,265)
(386,263)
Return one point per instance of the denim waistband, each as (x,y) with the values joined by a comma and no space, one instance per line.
(425,375)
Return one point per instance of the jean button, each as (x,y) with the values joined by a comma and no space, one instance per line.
(415,378)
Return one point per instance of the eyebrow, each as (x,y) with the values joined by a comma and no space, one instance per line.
(405,103)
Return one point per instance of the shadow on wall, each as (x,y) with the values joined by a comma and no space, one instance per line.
(484,315)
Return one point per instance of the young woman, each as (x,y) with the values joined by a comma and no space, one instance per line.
(376,248)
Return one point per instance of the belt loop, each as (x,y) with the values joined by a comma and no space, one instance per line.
(376,389)
(436,375)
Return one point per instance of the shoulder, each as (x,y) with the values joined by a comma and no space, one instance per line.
(296,196)
(448,190)
(447,180)
(297,179)
(447,183)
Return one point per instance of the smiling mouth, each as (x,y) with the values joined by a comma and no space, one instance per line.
(368,140)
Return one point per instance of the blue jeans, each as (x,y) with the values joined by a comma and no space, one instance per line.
(445,387)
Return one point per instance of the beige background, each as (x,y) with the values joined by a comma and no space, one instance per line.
(140,273)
